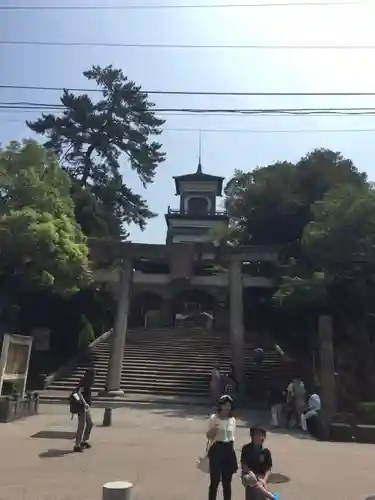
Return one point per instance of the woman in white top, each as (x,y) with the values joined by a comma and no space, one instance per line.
(222,457)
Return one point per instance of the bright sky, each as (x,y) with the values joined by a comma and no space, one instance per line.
(227,70)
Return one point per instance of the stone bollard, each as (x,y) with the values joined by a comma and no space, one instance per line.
(118,490)
(107,417)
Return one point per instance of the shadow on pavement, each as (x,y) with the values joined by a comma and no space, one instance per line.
(55,453)
(54,435)
(277,478)
(245,417)
(171,409)
(294,433)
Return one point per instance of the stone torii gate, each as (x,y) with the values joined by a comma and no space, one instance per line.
(181,258)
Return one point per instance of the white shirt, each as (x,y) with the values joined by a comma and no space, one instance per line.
(314,402)
(226,428)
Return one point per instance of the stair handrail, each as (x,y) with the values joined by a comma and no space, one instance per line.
(69,366)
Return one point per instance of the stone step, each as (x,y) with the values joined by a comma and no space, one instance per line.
(140,376)
(155,345)
(177,339)
(209,355)
(191,353)
(161,372)
(181,343)
(132,387)
(169,355)
(144,398)
(159,364)
(172,363)
(151,355)
(148,382)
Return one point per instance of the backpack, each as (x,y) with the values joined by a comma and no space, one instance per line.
(75,403)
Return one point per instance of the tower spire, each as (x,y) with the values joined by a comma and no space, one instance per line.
(199,168)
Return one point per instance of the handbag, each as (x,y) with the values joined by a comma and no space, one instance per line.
(203,463)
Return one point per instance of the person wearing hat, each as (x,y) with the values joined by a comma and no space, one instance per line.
(221,454)
(256,464)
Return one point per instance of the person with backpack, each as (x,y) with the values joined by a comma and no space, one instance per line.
(80,402)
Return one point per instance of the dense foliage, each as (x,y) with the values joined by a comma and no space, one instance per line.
(272,204)
(41,243)
(320,212)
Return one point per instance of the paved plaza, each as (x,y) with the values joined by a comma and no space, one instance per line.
(156,448)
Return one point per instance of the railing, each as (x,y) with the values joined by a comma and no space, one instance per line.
(173,211)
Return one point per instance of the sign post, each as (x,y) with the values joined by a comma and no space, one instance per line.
(15,360)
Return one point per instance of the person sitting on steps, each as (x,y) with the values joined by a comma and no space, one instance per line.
(310,418)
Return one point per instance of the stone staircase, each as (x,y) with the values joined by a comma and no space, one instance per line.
(176,362)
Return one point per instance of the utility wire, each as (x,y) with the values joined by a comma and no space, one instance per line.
(252,131)
(180,6)
(276,131)
(184,46)
(193,92)
(249,131)
(47,106)
(7,110)
(347,111)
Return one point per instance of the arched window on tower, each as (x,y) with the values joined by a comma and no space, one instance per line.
(198,205)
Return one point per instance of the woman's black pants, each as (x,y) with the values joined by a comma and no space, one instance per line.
(223,464)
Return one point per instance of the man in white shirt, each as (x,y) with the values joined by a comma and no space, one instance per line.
(313,407)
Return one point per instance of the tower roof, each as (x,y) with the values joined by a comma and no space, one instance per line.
(199,176)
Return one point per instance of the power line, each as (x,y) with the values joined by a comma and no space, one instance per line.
(254,131)
(180,6)
(277,131)
(184,46)
(165,114)
(194,92)
(48,106)
(61,107)
(331,111)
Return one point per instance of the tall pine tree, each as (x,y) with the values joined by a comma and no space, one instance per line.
(94,138)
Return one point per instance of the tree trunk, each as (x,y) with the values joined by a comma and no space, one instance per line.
(365,362)
(87,165)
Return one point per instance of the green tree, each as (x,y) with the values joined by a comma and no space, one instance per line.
(338,277)
(40,241)
(91,137)
(340,240)
(263,199)
(272,204)
(302,208)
